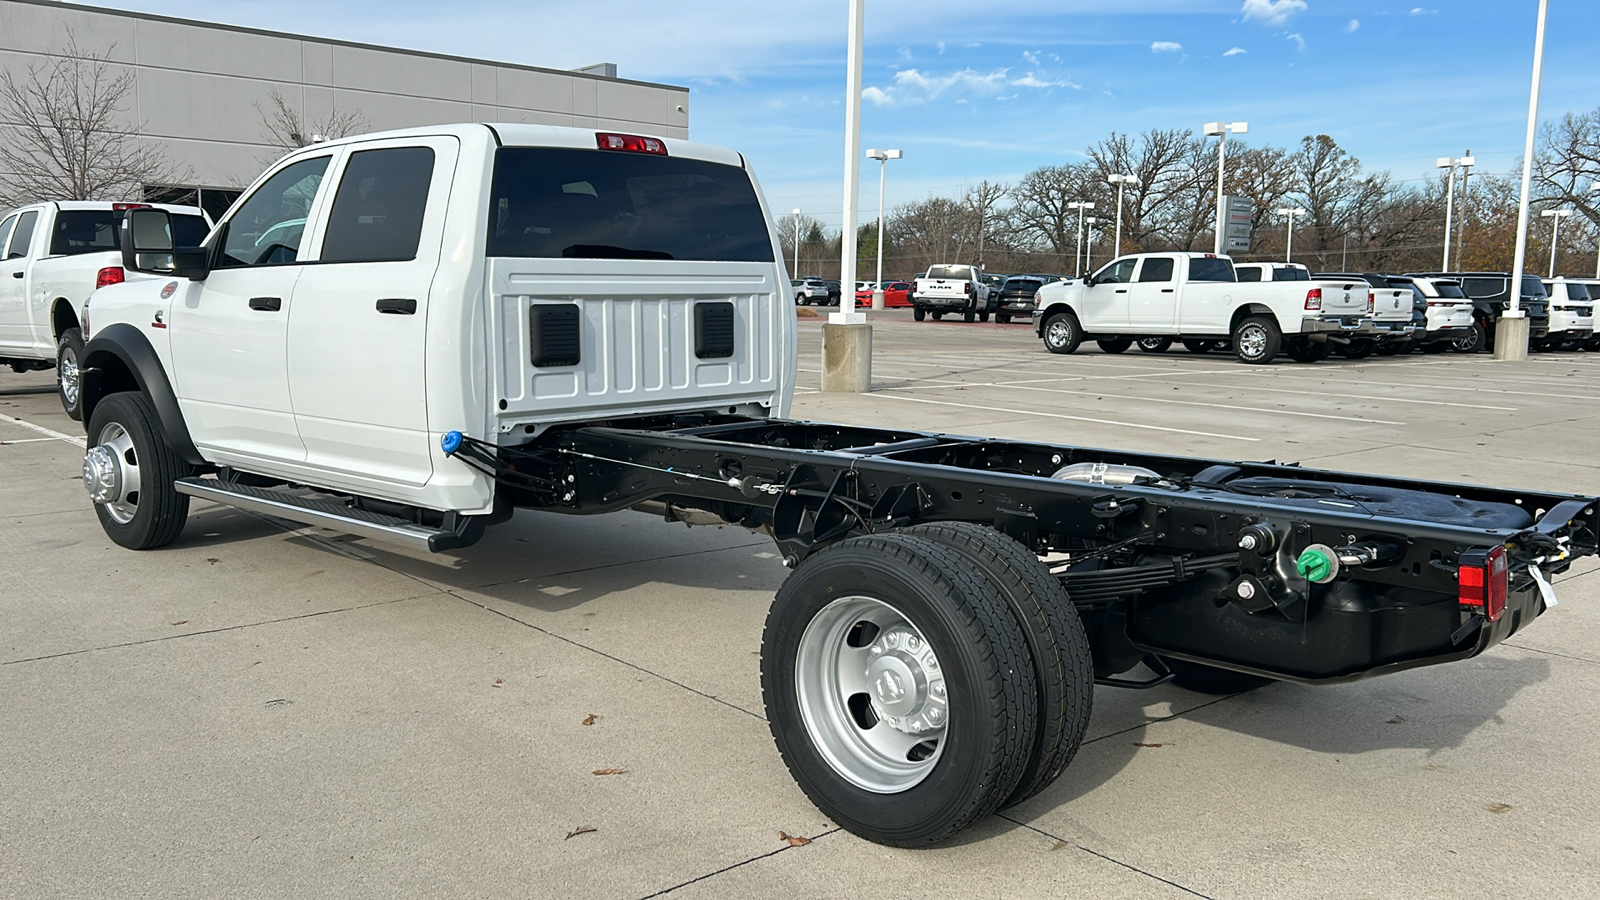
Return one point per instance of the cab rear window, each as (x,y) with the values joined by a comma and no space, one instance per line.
(98,230)
(552,203)
(1204,268)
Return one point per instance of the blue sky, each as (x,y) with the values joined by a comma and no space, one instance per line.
(997,88)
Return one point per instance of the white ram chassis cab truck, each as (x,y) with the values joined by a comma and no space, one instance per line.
(1196,298)
(410,335)
(52,257)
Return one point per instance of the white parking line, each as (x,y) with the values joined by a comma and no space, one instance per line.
(1027,412)
(47,432)
(1460,387)
(1280,412)
(1326,394)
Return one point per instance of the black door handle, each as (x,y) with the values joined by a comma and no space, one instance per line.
(266,304)
(1122,290)
(17,274)
(398,307)
(1166,290)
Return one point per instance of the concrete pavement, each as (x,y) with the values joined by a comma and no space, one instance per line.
(265,710)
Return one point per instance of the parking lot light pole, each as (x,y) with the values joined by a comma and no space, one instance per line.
(797,242)
(1594,190)
(1088,241)
(1451,162)
(1555,215)
(846,337)
(1120,181)
(883,157)
(1222,130)
(1077,250)
(1511,332)
(1291,212)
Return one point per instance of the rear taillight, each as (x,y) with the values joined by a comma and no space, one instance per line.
(630,143)
(1371,301)
(108,275)
(1483,580)
(1314,298)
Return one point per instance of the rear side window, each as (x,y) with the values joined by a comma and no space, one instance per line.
(1450,292)
(549,203)
(1578,292)
(1483,287)
(1156,269)
(1290,274)
(377,213)
(1533,287)
(1248,274)
(22,237)
(79,231)
(1210,268)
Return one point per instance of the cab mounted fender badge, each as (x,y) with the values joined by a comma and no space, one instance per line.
(156,321)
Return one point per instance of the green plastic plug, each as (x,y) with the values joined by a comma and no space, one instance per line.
(1314,566)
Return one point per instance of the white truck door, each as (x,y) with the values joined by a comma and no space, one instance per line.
(358,332)
(1153,295)
(16,333)
(1105,303)
(229,333)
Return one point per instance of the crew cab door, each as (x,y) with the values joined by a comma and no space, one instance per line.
(1153,295)
(358,332)
(228,334)
(1105,303)
(16,245)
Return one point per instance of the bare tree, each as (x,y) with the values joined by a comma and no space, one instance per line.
(286,129)
(982,199)
(67,136)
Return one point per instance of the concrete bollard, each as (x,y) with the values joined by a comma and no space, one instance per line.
(1511,338)
(846,359)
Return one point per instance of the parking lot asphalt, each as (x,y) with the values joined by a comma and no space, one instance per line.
(264,710)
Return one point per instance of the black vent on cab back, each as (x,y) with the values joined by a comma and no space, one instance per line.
(554,335)
(713,330)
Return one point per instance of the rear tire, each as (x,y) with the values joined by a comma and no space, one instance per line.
(886,605)
(1475,340)
(1198,347)
(1205,679)
(968,316)
(1114,345)
(1062,666)
(1303,350)
(1358,349)
(1257,340)
(919,314)
(69,384)
(1002,318)
(1062,333)
(983,317)
(1393,348)
(137,504)
(937,316)
(1154,344)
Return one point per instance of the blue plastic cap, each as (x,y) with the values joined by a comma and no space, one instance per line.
(451,442)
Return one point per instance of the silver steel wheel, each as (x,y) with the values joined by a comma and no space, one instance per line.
(871,694)
(67,377)
(1252,341)
(1058,333)
(111,473)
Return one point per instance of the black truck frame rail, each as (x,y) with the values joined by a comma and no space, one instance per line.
(1191,559)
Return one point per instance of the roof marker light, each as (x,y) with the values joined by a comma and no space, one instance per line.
(630,143)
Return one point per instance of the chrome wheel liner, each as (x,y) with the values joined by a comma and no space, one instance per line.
(1252,341)
(67,376)
(111,473)
(860,658)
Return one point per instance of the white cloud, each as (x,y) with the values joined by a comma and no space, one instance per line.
(876,96)
(1031,57)
(940,45)
(1236,51)
(1031,80)
(1422,11)
(917,86)
(1272,12)
(1352,26)
(1165,47)
(1299,42)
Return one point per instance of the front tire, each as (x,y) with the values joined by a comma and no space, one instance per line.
(1199,347)
(1114,345)
(1062,333)
(1257,340)
(1154,344)
(1002,318)
(898,688)
(69,385)
(129,471)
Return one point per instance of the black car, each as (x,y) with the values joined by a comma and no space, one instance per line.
(1016,296)
(834,293)
(1490,294)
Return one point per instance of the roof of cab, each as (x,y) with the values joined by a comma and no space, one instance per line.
(518,134)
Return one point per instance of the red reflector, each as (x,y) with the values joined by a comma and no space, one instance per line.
(119,207)
(108,275)
(1314,298)
(630,143)
(1483,581)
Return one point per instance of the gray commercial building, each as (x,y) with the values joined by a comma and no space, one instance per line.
(206,95)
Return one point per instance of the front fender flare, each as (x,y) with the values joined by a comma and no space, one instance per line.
(126,348)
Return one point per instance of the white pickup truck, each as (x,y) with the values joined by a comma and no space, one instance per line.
(1196,298)
(52,257)
(951,289)
(409,335)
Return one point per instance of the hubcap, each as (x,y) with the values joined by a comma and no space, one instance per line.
(872,694)
(111,473)
(1058,333)
(1253,341)
(67,377)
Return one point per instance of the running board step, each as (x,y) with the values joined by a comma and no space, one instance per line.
(327,513)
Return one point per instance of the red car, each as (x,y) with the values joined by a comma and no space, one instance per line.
(895,293)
